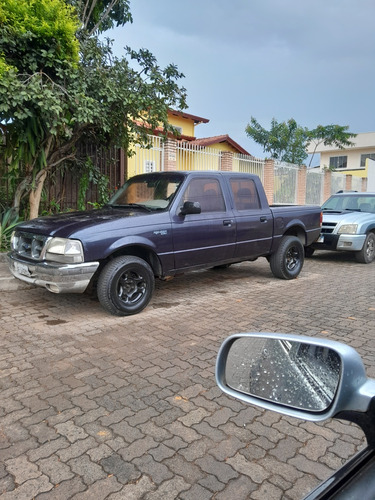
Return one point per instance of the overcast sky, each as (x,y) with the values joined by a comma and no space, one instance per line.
(313,61)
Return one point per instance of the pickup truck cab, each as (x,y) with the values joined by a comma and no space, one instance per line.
(158,225)
(349,225)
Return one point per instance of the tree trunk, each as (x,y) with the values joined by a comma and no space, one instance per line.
(36,193)
(20,191)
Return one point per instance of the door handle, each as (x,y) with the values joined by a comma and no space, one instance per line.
(228,222)
(263,219)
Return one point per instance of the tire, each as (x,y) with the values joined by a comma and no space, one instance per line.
(287,262)
(309,252)
(125,285)
(367,254)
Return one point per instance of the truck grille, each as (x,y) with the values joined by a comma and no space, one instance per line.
(29,245)
(328,227)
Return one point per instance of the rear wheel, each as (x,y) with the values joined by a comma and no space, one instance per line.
(287,262)
(367,254)
(125,285)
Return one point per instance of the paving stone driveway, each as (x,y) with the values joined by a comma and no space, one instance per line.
(94,406)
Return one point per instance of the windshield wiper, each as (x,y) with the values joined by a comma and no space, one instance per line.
(132,205)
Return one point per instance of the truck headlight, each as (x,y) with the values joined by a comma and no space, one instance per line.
(64,250)
(13,241)
(348,229)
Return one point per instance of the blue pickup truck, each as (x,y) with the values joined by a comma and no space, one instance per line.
(157,225)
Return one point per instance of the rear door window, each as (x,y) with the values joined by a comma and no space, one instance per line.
(245,194)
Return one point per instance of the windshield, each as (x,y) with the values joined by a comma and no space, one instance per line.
(150,192)
(353,203)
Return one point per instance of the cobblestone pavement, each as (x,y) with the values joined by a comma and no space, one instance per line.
(94,406)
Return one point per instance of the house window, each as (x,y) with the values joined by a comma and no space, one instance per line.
(370,156)
(338,161)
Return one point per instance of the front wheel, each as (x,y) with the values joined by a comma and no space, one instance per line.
(287,262)
(125,285)
(367,254)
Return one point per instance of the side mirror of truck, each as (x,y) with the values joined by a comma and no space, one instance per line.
(305,377)
(312,379)
(190,207)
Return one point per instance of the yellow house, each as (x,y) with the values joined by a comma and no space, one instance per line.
(185,123)
(222,143)
(155,157)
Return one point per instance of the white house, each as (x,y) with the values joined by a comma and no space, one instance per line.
(350,160)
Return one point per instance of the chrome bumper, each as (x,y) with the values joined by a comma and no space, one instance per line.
(57,278)
(351,242)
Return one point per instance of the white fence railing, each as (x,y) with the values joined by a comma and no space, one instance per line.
(148,159)
(193,157)
(249,165)
(314,187)
(285,183)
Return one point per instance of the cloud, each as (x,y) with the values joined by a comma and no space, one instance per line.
(310,60)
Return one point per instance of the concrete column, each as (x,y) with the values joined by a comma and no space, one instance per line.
(170,154)
(301,185)
(226,161)
(348,182)
(269,179)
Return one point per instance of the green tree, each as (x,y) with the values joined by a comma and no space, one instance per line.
(288,141)
(61,83)
(101,15)
(330,135)
(284,141)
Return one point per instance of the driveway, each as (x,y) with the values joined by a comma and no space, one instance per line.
(94,406)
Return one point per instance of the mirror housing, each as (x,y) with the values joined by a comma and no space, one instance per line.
(351,391)
(190,207)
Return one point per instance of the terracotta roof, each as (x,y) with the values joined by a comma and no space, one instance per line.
(197,119)
(208,141)
(161,131)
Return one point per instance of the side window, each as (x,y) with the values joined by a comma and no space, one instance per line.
(245,194)
(207,192)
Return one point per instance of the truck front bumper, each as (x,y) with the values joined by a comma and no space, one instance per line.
(57,278)
(347,242)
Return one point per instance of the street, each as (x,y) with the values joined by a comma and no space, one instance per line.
(95,406)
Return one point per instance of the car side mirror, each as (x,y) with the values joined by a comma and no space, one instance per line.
(190,207)
(305,377)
